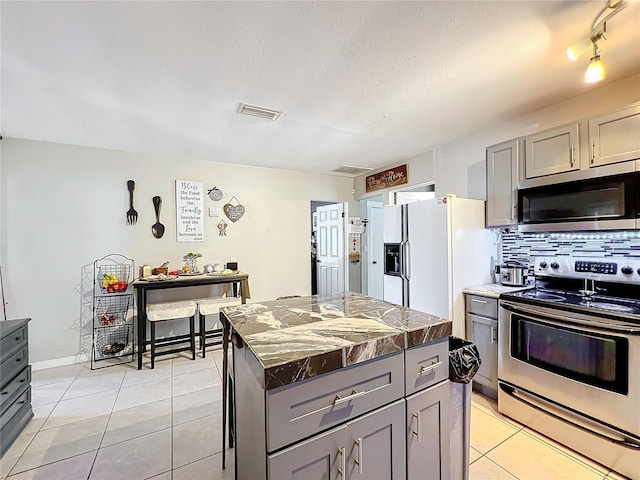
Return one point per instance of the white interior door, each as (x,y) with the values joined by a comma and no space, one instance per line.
(375,249)
(331,249)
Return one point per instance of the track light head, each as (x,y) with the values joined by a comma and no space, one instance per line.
(576,50)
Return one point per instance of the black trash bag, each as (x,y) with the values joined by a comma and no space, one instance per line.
(464,360)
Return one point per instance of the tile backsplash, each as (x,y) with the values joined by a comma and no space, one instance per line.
(524,247)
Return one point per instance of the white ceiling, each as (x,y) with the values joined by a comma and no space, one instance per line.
(360,83)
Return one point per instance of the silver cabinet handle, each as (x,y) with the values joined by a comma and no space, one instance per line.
(572,155)
(479,301)
(416,432)
(343,462)
(359,459)
(433,366)
(354,394)
(494,338)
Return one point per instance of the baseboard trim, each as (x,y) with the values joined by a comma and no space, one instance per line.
(59,362)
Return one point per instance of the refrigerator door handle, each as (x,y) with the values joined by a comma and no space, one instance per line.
(406,267)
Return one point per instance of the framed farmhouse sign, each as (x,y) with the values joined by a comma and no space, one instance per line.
(389,178)
(189,211)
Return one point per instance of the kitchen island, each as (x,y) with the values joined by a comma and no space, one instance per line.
(327,387)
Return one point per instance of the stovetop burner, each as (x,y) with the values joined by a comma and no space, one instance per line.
(551,297)
(606,286)
(614,307)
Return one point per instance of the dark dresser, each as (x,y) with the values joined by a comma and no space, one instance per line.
(15,380)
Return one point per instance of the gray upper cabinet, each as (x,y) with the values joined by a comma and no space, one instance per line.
(552,151)
(502,184)
(615,137)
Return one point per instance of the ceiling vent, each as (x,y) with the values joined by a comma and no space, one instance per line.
(351,170)
(256,111)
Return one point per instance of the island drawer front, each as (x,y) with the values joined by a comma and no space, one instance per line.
(12,365)
(10,390)
(485,306)
(426,365)
(13,341)
(303,409)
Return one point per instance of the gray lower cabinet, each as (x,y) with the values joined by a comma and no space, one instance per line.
(15,381)
(371,447)
(482,329)
(429,434)
(485,336)
(353,423)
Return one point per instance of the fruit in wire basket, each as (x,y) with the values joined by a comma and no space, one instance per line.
(113,349)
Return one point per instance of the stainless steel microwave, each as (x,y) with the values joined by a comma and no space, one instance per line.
(606,203)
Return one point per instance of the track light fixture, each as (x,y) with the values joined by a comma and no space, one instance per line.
(596,71)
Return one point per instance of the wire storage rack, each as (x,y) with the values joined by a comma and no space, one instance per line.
(112,311)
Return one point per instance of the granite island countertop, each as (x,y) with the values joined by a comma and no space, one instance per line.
(297,338)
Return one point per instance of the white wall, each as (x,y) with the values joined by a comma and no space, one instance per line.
(64,206)
(459,167)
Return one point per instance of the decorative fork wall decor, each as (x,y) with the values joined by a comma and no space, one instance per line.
(132,215)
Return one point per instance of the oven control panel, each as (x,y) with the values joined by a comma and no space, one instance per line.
(609,269)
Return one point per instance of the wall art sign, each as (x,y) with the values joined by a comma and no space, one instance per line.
(215,194)
(189,211)
(389,178)
(233,212)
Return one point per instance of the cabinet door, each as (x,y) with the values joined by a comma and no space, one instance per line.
(320,458)
(376,445)
(485,336)
(615,137)
(552,151)
(428,434)
(502,183)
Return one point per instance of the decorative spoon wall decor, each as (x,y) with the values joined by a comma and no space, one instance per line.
(157,228)
(233,212)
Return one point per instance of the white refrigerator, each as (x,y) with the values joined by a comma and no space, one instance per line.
(434,249)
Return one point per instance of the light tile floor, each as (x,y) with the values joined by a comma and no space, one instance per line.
(119,423)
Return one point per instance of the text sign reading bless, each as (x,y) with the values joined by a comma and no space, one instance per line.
(388,178)
(189,211)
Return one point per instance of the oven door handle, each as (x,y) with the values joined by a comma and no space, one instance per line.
(594,325)
(568,417)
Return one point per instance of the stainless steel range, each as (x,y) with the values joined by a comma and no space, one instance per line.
(569,357)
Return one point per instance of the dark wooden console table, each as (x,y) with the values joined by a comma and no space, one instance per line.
(239,282)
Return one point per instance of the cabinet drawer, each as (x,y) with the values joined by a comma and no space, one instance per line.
(13,341)
(480,305)
(426,365)
(13,388)
(12,365)
(11,410)
(305,408)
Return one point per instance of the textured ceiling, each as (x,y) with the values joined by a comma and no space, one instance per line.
(359,83)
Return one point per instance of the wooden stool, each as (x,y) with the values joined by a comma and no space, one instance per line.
(211,306)
(160,312)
